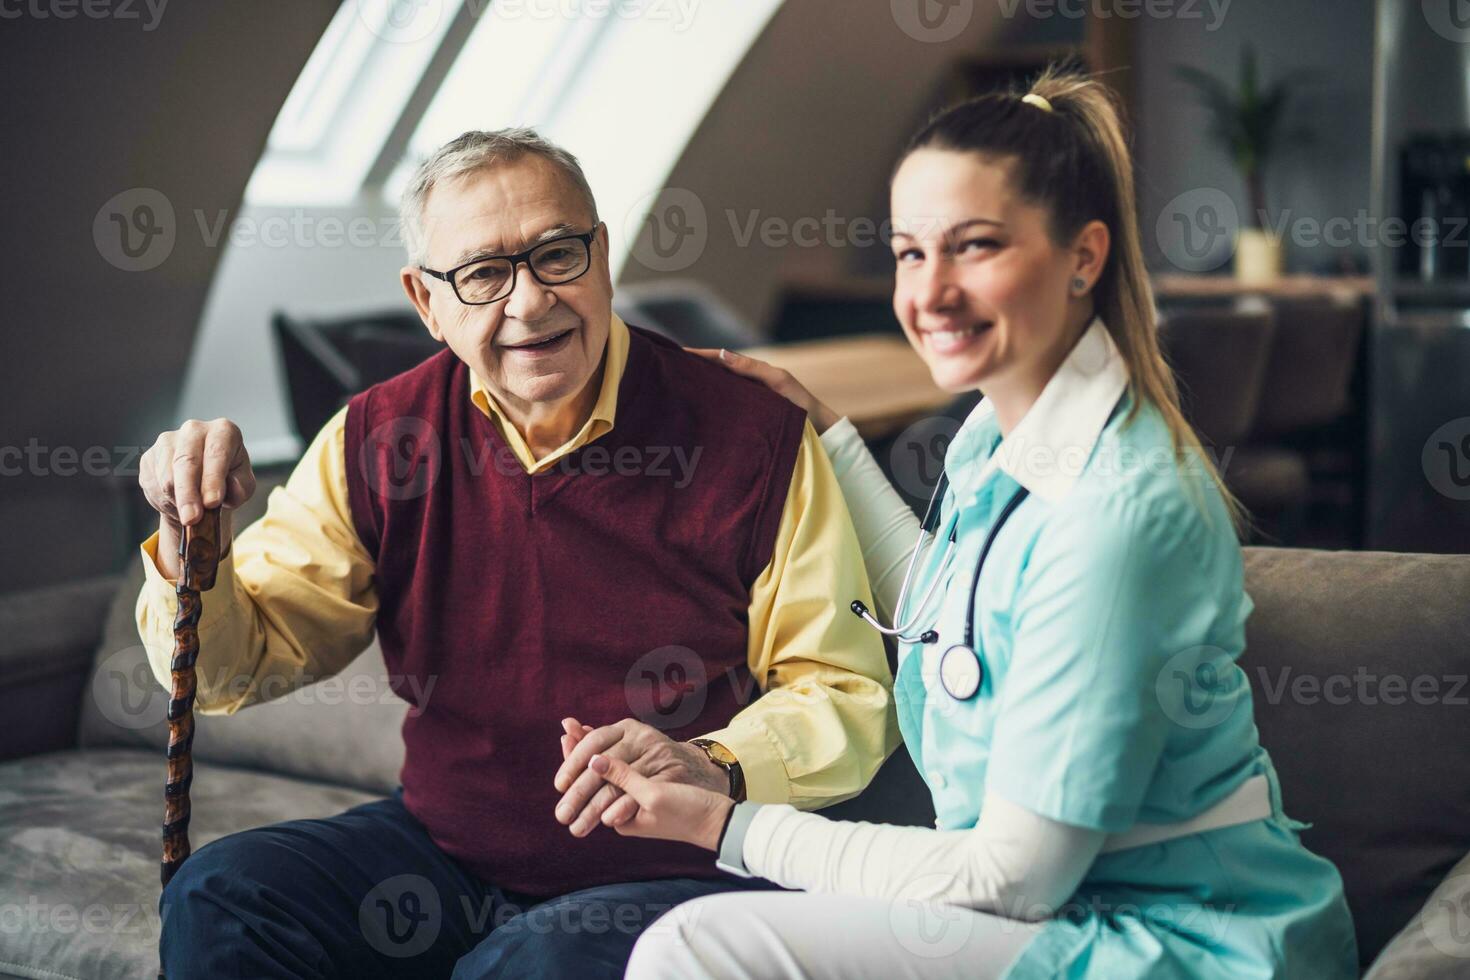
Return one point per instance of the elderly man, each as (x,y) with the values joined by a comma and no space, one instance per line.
(538,521)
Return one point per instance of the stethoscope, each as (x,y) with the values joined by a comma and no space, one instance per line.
(960,669)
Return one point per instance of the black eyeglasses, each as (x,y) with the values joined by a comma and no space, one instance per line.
(490,280)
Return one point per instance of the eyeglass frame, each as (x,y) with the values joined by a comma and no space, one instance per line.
(516,261)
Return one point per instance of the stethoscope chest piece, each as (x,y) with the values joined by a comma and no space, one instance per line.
(960,672)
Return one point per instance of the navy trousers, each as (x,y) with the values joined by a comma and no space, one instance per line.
(367,894)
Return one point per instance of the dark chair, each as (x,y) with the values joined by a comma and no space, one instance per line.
(1309,376)
(325,362)
(686,311)
(1221,357)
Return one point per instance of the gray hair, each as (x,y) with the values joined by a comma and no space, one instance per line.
(469,153)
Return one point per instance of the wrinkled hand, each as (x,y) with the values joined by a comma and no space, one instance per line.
(194,468)
(668,811)
(779,380)
(587,798)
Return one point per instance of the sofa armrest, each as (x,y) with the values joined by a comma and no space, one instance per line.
(48,637)
(1435,945)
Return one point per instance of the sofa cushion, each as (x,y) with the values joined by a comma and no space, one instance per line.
(345,729)
(1358,663)
(79,852)
(1435,945)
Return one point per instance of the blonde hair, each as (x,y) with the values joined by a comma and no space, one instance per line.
(1071,158)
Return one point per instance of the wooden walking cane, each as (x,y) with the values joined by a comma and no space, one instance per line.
(198,561)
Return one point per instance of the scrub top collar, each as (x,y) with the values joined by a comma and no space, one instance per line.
(1049,448)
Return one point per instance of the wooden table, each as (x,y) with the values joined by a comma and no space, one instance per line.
(1184,286)
(877,380)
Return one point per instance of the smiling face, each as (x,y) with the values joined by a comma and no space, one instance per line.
(981,290)
(541,347)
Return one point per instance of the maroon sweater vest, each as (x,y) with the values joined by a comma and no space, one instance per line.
(614,584)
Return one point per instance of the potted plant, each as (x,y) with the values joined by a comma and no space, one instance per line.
(1246,121)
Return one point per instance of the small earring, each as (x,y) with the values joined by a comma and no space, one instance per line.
(1079,285)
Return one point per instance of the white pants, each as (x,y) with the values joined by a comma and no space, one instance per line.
(770,935)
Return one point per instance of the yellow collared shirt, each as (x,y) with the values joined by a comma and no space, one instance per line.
(295,600)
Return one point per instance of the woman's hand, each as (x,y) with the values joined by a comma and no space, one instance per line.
(776,379)
(669,811)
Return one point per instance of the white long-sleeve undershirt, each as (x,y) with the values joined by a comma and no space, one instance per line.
(1014,862)
(886,527)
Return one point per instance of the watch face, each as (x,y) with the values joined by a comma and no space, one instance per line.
(960,672)
(718,753)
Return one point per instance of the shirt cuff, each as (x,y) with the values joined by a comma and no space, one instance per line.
(761,765)
(840,436)
(731,858)
(162,597)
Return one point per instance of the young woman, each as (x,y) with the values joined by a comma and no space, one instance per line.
(1104,806)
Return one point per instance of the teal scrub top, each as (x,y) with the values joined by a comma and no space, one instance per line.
(1108,621)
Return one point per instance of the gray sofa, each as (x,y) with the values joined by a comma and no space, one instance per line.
(1385,784)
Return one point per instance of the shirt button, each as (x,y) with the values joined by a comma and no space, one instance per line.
(936,778)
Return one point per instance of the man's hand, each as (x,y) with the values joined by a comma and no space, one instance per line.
(587,796)
(666,810)
(196,467)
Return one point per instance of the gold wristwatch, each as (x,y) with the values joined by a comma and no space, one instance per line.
(726,760)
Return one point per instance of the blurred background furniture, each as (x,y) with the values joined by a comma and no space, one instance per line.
(1357,662)
(1276,387)
(325,362)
